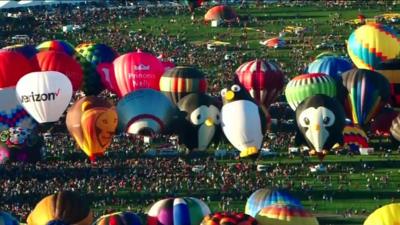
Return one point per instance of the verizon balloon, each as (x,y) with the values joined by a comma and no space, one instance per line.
(44,95)
(130,72)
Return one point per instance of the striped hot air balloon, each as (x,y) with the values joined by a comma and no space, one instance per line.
(372,44)
(180,81)
(368,91)
(220,12)
(264,80)
(391,70)
(228,218)
(119,218)
(177,211)
(355,138)
(27,50)
(330,65)
(280,214)
(57,45)
(307,85)
(265,197)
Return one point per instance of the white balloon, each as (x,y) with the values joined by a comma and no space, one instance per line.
(44,95)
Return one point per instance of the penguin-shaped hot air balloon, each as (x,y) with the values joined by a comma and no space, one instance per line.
(242,120)
(321,120)
(201,125)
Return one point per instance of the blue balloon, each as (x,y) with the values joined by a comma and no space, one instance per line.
(330,65)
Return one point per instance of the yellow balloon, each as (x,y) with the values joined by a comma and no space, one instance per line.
(386,215)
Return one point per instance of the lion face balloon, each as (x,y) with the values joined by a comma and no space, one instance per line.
(92,122)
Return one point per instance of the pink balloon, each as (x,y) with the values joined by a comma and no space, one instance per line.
(131,72)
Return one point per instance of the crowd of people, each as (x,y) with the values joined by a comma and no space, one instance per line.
(122,177)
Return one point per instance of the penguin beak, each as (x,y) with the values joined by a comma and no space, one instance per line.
(229,95)
(209,122)
(317,127)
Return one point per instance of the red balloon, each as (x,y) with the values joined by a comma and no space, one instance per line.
(263,79)
(382,122)
(130,72)
(13,66)
(61,62)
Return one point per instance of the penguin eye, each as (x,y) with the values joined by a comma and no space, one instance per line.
(199,115)
(306,121)
(326,120)
(235,88)
(214,114)
(223,92)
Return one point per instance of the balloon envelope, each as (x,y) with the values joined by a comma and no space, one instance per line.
(92,122)
(321,120)
(177,211)
(27,50)
(385,215)
(45,95)
(329,65)
(119,218)
(57,45)
(232,218)
(145,112)
(13,66)
(221,12)
(391,70)
(279,214)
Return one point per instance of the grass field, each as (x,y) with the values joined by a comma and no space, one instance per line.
(320,22)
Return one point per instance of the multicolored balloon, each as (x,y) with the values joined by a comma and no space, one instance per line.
(321,120)
(7,219)
(27,50)
(264,80)
(221,12)
(13,66)
(145,112)
(330,65)
(368,92)
(385,215)
(92,122)
(265,197)
(391,70)
(4,155)
(201,125)
(60,62)
(177,211)
(131,72)
(307,85)
(355,138)
(180,81)
(372,44)
(326,53)
(45,95)
(119,218)
(279,214)
(228,218)
(58,46)
(61,208)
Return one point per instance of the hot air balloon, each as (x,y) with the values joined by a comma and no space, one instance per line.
(265,197)
(145,112)
(385,215)
(276,42)
(92,122)
(4,154)
(355,138)
(201,125)
(57,45)
(326,53)
(368,91)
(131,72)
(61,208)
(330,65)
(180,81)
(27,50)
(13,66)
(119,218)
(23,144)
(372,44)
(221,12)
(321,120)
(231,218)
(280,214)
(7,219)
(391,70)
(306,85)
(382,122)
(44,95)
(60,62)
(243,121)
(177,211)
(395,128)
(90,55)
(263,79)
